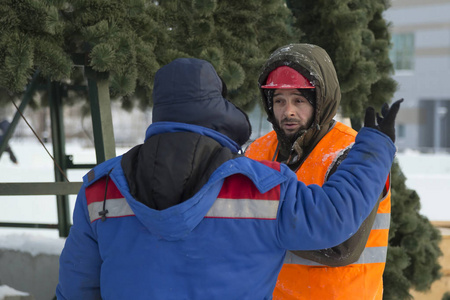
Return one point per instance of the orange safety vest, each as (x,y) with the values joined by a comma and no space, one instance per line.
(300,278)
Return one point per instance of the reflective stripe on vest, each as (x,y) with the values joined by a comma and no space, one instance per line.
(382,221)
(370,255)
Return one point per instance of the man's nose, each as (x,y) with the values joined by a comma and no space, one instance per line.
(289,111)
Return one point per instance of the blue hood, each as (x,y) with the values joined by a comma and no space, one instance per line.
(188,90)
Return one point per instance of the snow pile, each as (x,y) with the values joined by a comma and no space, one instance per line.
(33,244)
(8,291)
(429,176)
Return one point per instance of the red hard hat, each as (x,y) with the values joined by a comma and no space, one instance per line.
(285,77)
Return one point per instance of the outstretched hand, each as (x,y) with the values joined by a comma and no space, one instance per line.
(386,122)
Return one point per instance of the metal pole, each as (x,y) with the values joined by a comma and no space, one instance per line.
(99,99)
(59,145)
(39,188)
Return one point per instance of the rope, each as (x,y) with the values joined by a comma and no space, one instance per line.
(42,143)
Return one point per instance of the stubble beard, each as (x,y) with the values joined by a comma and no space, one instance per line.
(292,136)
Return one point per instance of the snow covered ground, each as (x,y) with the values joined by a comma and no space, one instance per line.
(10,292)
(428,174)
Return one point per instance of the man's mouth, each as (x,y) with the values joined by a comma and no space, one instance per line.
(290,124)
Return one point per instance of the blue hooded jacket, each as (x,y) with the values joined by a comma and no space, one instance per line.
(224,239)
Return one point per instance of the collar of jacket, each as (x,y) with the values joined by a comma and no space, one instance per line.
(296,150)
(163,127)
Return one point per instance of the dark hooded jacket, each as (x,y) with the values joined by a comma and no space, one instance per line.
(170,168)
(313,63)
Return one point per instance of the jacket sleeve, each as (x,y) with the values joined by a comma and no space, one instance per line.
(313,217)
(80,261)
(346,252)
(350,250)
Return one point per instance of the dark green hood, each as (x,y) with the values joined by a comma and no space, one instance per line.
(314,63)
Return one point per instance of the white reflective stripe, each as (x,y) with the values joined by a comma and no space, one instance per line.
(116,208)
(244,208)
(370,255)
(382,221)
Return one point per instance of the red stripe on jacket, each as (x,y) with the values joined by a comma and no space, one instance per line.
(237,187)
(96,191)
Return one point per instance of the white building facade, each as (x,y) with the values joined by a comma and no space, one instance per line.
(421,56)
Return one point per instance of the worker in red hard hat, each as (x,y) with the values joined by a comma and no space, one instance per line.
(301,95)
(292,98)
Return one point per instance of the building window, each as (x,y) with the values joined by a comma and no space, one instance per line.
(402,52)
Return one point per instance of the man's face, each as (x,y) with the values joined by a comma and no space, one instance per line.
(292,111)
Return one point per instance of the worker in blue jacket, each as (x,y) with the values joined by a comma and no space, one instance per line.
(185,216)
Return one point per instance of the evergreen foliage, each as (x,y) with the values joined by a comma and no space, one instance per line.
(32,38)
(128,41)
(357,39)
(233,35)
(119,39)
(413,244)
(116,38)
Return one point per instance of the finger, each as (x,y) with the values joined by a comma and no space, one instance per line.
(384,109)
(392,113)
(369,118)
(379,119)
(397,103)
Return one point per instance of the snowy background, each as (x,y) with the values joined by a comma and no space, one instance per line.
(427,174)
